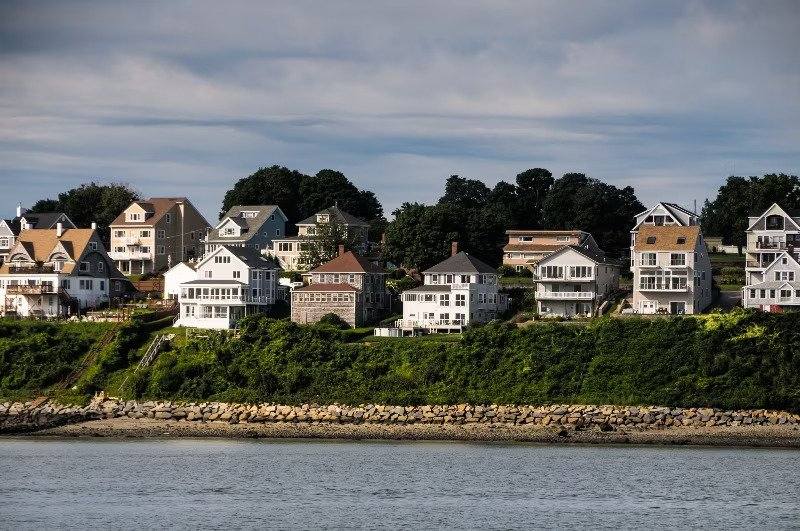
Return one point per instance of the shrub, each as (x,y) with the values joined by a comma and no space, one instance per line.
(334,320)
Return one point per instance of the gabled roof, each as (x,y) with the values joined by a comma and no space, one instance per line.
(348,262)
(774,284)
(47,220)
(461,263)
(546,232)
(40,243)
(429,288)
(783,254)
(793,218)
(157,206)
(336,214)
(327,287)
(249,224)
(667,238)
(251,257)
(598,258)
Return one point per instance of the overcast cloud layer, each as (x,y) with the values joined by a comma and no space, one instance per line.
(187,97)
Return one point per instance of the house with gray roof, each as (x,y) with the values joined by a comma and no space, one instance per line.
(456,292)
(251,226)
(574,281)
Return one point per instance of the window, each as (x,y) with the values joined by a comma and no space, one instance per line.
(161,249)
(207,274)
(648,259)
(681,240)
(580,272)
(58,265)
(784,275)
(145,249)
(161,234)
(677,259)
(119,233)
(144,234)
(525,239)
(786,294)
(102,285)
(168,218)
(444,299)
(237,274)
(84,267)
(93,246)
(100,267)
(651,240)
(134,216)
(461,299)
(465,279)
(65,283)
(752,294)
(562,238)
(551,271)
(774,222)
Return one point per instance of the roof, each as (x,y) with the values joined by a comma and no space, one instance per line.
(461,263)
(666,238)
(429,288)
(549,232)
(328,287)
(251,225)
(335,213)
(157,205)
(40,243)
(251,257)
(209,281)
(599,258)
(348,262)
(531,247)
(46,220)
(773,284)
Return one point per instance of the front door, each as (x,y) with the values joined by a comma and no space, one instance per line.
(648,307)
(677,308)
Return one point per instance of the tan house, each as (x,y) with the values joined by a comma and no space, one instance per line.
(288,251)
(526,247)
(349,286)
(155,234)
(671,270)
(56,272)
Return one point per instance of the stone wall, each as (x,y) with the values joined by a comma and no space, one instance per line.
(29,416)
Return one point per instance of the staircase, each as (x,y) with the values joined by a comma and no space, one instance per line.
(150,355)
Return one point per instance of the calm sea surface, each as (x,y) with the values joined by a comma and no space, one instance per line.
(302,484)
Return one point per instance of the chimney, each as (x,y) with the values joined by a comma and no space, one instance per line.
(341,249)
(59,229)
(94,225)
(453,248)
(19,210)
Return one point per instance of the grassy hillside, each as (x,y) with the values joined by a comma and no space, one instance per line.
(743,359)
(737,360)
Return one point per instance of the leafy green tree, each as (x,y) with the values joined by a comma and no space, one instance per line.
(420,235)
(531,190)
(741,197)
(91,202)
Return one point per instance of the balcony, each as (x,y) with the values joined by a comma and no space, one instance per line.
(31,289)
(565,295)
(426,323)
(774,246)
(229,299)
(130,255)
(664,289)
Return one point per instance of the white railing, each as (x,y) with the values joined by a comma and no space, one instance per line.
(580,295)
(428,323)
(129,255)
(662,288)
(260,299)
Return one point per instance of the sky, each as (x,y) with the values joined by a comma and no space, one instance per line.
(185,98)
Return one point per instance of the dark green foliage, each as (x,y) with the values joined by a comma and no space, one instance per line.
(738,360)
(334,320)
(741,197)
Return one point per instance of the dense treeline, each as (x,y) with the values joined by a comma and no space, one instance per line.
(737,360)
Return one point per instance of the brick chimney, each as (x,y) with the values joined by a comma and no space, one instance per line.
(59,229)
(341,249)
(453,248)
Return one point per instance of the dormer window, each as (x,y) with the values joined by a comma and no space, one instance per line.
(249,214)
(134,216)
(651,240)
(323,218)
(525,238)
(562,238)
(93,246)
(681,240)
(774,222)
(228,232)
(84,267)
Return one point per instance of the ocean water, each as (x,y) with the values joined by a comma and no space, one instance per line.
(224,484)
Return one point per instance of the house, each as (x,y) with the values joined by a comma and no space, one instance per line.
(10,228)
(349,286)
(526,247)
(231,282)
(456,292)
(671,270)
(665,214)
(154,234)
(773,252)
(574,281)
(288,251)
(56,272)
(248,226)
(177,275)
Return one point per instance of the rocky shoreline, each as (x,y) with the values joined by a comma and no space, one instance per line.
(110,417)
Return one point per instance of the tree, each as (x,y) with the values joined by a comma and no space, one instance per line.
(275,185)
(91,202)
(741,197)
(324,244)
(465,193)
(531,190)
(578,202)
(420,235)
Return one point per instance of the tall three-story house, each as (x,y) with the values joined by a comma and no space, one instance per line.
(230,282)
(349,286)
(456,292)
(155,234)
(10,228)
(574,281)
(56,272)
(773,251)
(527,247)
(248,226)
(289,251)
(671,270)
(663,215)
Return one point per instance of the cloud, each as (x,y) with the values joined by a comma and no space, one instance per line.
(187,97)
